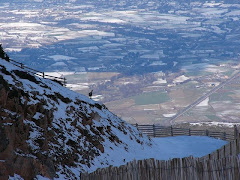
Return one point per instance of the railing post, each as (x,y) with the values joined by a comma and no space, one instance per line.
(230,150)
(171,130)
(237,146)
(43,74)
(137,125)
(189,132)
(154,133)
(235,132)
(224,135)
(224,150)
(207,132)
(64,81)
(7,58)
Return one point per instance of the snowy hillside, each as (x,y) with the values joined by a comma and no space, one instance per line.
(47,130)
(57,131)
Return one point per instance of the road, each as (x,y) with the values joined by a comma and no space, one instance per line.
(202,98)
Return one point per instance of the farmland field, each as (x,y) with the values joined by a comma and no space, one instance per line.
(151,98)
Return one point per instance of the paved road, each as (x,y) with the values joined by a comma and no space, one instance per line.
(202,98)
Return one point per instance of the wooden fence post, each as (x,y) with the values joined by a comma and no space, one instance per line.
(224,135)
(154,133)
(64,81)
(235,132)
(224,151)
(171,131)
(207,132)
(237,146)
(230,150)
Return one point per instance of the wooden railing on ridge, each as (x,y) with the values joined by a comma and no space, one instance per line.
(36,72)
(222,164)
(165,131)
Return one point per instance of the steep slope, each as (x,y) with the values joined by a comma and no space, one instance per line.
(48,130)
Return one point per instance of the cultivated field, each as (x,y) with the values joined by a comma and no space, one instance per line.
(139,99)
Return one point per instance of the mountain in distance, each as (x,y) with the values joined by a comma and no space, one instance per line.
(47,130)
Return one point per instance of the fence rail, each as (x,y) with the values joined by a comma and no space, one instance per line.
(36,72)
(165,131)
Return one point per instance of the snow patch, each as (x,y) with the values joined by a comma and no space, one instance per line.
(169,115)
(157,63)
(214,123)
(180,79)
(203,103)
(61,58)
(160,81)
(97,97)
(59,64)
(78,86)
(149,109)
(15,177)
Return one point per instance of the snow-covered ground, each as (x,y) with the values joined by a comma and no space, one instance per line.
(184,146)
(164,148)
(167,148)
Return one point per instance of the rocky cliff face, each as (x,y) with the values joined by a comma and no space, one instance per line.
(50,131)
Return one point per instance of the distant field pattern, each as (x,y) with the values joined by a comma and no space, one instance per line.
(151,98)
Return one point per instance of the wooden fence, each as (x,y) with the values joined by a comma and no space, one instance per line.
(230,149)
(36,72)
(163,131)
(176,169)
(223,164)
